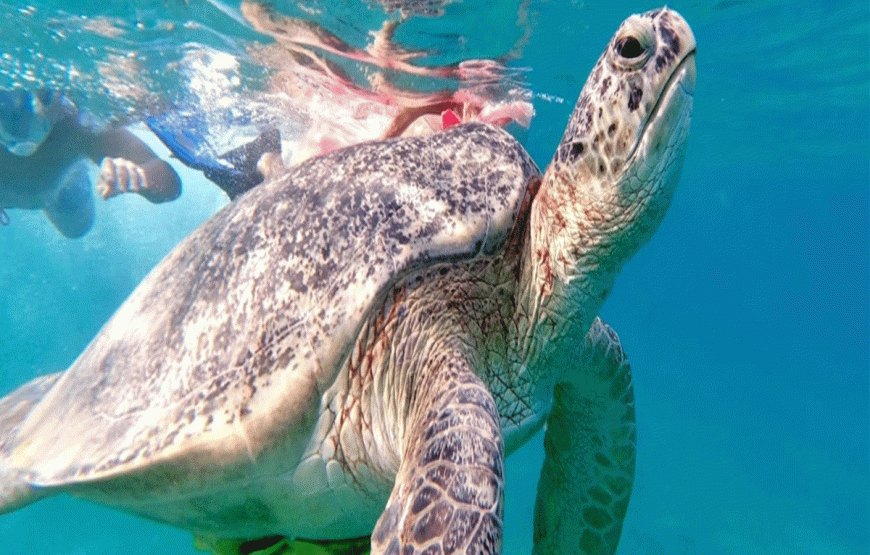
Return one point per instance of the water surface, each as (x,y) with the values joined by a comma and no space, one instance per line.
(745,318)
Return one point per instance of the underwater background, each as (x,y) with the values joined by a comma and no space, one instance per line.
(745,318)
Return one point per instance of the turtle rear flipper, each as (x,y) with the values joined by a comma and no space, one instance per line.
(15,490)
(448,494)
(589,449)
(276,545)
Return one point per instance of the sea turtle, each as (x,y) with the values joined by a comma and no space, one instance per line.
(352,349)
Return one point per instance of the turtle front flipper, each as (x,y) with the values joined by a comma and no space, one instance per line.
(448,492)
(589,449)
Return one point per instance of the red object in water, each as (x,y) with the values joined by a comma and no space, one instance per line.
(449,119)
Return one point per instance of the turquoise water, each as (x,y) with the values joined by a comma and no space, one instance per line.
(746,317)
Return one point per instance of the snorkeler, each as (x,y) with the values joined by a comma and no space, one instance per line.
(43,164)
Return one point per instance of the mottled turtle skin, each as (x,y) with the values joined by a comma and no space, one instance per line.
(353,348)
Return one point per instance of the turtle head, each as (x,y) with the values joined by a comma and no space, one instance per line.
(615,170)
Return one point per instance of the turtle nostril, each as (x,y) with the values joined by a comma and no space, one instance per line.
(629,47)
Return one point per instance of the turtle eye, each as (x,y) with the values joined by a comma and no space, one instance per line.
(629,48)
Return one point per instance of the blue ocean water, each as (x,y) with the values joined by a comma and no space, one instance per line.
(745,318)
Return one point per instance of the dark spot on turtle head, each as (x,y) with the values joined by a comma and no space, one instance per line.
(669,36)
(596,73)
(581,119)
(634,97)
(605,84)
(661,60)
(611,130)
(670,47)
(576,149)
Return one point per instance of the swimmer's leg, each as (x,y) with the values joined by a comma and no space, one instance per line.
(235,171)
(244,171)
(71,206)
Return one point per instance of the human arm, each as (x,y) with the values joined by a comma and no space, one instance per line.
(127,164)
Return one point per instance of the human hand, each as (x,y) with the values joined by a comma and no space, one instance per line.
(118,175)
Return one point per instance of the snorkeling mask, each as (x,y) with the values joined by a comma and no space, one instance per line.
(26,118)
